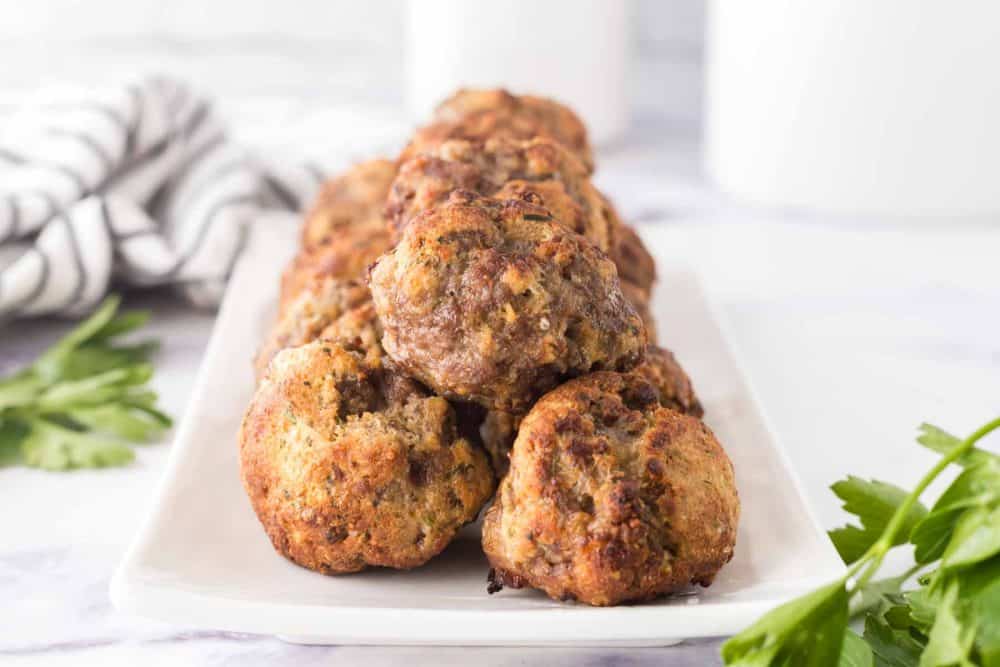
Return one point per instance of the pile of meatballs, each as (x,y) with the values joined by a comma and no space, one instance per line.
(467,328)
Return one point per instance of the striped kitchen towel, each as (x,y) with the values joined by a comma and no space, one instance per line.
(138,184)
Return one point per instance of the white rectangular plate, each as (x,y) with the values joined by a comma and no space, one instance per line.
(202,559)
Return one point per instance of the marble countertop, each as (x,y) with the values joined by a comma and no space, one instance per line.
(853,331)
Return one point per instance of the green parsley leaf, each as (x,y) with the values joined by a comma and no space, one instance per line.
(874,503)
(121,419)
(977,486)
(942,442)
(82,402)
(855,652)
(950,641)
(891,647)
(12,435)
(806,632)
(976,538)
(923,607)
(979,599)
(53,447)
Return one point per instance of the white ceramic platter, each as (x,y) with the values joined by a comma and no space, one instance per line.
(202,559)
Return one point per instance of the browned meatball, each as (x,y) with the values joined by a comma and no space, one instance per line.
(504,169)
(611,497)
(495,302)
(343,257)
(353,200)
(672,384)
(349,465)
(633,260)
(497,429)
(478,115)
(339,310)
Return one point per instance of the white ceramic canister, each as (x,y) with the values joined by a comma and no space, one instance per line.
(865,106)
(575,51)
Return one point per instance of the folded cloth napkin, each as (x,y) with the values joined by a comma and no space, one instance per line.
(138,184)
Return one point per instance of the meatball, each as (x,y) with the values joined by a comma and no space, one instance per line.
(339,310)
(611,497)
(635,264)
(480,114)
(349,465)
(347,256)
(497,429)
(504,169)
(353,200)
(493,301)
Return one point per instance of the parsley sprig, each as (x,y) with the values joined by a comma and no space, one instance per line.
(84,400)
(949,617)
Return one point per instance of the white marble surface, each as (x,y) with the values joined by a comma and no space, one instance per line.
(853,331)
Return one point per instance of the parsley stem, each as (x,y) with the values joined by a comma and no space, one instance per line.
(876,553)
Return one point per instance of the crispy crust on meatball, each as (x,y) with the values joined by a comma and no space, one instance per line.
(611,497)
(497,430)
(495,302)
(338,310)
(343,257)
(670,381)
(349,465)
(633,260)
(504,169)
(477,115)
(353,200)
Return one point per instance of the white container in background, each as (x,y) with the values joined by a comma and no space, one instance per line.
(885,107)
(575,51)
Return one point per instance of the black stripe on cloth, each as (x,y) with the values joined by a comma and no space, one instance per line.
(241,244)
(286,196)
(185,170)
(15,218)
(102,208)
(116,119)
(198,116)
(123,263)
(171,273)
(81,271)
(135,94)
(11,156)
(105,215)
(205,226)
(87,141)
(131,164)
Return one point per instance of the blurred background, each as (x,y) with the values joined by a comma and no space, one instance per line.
(256,57)
(323,52)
